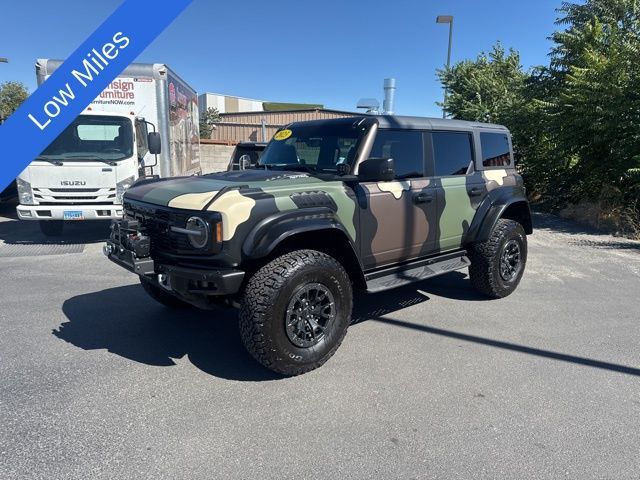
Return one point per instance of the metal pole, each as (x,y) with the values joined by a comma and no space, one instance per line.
(3,60)
(446,90)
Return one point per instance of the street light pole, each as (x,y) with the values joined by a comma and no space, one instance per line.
(447,19)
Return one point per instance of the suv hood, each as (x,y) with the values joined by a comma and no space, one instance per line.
(194,193)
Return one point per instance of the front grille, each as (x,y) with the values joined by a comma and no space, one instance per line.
(86,199)
(74,196)
(72,190)
(74,203)
(156,223)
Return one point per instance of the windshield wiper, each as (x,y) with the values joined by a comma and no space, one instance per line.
(304,168)
(92,157)
(55,161)
(290,166)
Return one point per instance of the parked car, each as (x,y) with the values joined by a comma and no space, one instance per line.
(246,155)
(367,203)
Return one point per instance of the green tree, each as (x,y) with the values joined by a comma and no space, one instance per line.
(494,88)
(575,122)
(596,109)
(12,94)
(487,89)
(208,119)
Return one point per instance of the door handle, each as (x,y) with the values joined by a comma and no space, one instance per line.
(475,191)
(422,197)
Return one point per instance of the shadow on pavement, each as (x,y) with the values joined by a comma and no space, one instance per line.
(126,322)
(514,347)
(14,231)
(454,285)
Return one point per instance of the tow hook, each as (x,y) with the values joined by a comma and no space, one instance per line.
(164,281)
(107,249)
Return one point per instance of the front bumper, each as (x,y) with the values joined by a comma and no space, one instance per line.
(185,282)
(56,212)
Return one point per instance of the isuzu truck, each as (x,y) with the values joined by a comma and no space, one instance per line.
(143,125)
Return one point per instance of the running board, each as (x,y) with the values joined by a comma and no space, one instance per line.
(397,276)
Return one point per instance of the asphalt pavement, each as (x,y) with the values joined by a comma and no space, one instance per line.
(432,381)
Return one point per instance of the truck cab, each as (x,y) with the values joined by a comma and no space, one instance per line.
(84,172)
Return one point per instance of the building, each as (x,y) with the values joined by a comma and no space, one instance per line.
(256,126)
(228,103)
(232,104)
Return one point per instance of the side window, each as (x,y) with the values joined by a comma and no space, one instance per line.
(495,150)
(406,149)
(453,153)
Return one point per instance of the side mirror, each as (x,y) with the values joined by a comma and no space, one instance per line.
(245,162)
(153,139)
(376,170)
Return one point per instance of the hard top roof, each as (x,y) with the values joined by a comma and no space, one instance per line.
(412,123)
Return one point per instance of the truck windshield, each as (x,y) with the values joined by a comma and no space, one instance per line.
(318,147)
(93,137)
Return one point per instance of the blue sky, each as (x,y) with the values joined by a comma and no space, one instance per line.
(331,52)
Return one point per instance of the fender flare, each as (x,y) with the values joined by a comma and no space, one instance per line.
(492,208)
(268,233)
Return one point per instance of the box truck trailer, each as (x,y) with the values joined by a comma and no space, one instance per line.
(144,124)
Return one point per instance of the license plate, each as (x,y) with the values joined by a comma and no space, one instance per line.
(72,215)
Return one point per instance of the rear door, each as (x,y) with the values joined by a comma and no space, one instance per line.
(460,188)
(397,217)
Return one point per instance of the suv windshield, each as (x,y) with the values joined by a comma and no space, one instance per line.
(318,147)
(93,137)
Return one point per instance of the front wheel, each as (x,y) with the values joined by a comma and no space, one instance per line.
(497,264)
(295,311)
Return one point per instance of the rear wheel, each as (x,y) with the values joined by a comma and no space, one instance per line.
(51,228)
(497,264)
(160,295)
(295,311)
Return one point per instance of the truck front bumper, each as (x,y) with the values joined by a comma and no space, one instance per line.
(185,282)
(69,212)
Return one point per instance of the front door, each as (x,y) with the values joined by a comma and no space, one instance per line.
(397,218)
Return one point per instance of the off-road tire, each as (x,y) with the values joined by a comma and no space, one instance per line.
(484,270)
(51,228)
(162,296)
(264,305)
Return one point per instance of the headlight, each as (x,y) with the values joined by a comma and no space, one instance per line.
(199,236)
(122,187)
(25,194)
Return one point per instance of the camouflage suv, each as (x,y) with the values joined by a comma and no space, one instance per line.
(368,203)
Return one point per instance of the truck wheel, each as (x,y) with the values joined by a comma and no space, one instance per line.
(51,228)
(497,264)
(162,296)
(295,311)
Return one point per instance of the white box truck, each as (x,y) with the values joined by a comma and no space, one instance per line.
(144,124)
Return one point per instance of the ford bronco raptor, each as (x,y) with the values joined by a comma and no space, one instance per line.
(366,202)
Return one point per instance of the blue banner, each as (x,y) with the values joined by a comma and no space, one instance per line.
(80,79)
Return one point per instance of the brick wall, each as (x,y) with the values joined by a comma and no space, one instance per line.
(215,158)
